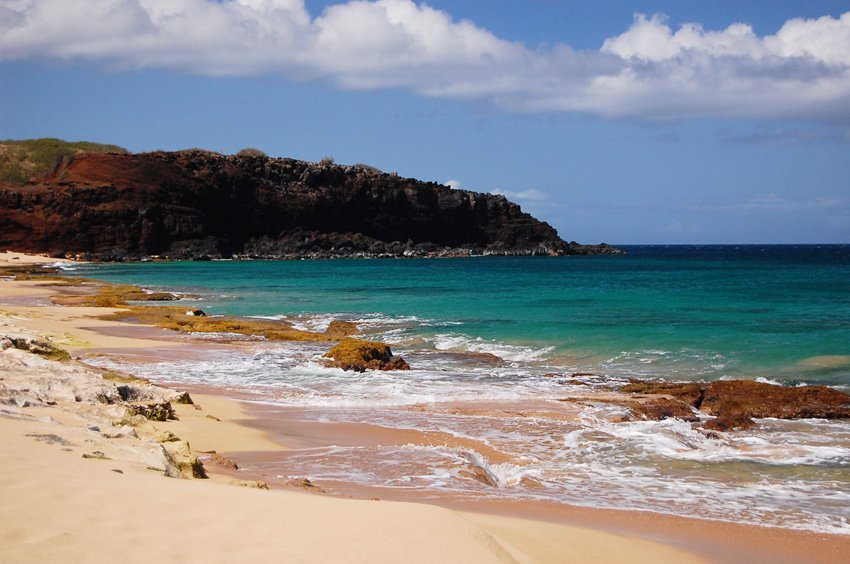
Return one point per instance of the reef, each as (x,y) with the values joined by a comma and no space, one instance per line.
(735,403)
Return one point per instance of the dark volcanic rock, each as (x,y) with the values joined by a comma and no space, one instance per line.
(202,205)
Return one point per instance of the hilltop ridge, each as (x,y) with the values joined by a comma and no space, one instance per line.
(195,204)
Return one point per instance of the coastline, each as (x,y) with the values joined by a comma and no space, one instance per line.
(294,524)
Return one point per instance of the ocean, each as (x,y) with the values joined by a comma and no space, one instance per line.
(495,342)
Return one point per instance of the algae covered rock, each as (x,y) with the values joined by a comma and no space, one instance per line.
(339,329)
(41,347)
(159,411)
(360,355)
(735,403)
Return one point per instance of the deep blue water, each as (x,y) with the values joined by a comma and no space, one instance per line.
(781,312)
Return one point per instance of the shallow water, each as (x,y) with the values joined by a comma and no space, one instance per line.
(496,342)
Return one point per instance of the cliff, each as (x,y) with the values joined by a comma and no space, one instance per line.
(198,204)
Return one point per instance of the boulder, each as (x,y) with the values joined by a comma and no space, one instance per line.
(360,355)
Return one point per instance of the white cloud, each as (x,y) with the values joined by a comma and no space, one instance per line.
(775,203)
(524,196)
(649,72)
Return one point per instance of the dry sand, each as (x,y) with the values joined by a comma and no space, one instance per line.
(56,505)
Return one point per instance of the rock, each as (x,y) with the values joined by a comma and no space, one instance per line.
(746,398)
(735,403)
(182,398)
(304,483)
(196,313)
(360,355)
(182,462)
(338,329)
(728,423)
(203,205)
(220,460)
(160,411)
(194,468)
(690,393)
(41,347)
(127,431)
(396,363)
(257,484)
(165,437)
(658,409)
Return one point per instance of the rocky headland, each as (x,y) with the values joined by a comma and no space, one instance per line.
(196,204)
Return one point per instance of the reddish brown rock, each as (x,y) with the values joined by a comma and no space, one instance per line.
(338,329)
(657,409)
(736,402)
(199,204)
(755,399)
(728,423)
(360,355)
(690,393)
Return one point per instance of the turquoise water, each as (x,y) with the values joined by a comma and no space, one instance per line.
(674,312)
(516,354)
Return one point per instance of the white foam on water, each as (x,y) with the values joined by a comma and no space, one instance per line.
(366,323)
(763,380)
(463,343)
(793,474)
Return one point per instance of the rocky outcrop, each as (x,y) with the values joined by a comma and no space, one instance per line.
(735,403)
(360,355)
(106,416)
(197,204)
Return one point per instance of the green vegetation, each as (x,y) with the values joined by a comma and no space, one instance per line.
(367,168)
(28,159)
(251,152)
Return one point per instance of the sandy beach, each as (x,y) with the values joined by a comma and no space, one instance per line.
(86,480)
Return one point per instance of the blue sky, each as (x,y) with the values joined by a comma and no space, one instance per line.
(616,121)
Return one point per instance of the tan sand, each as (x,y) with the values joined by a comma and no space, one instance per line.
(16,259)
(57,506)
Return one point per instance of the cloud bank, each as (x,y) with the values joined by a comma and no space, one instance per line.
(649,72)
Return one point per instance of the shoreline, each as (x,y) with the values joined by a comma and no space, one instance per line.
(525,533)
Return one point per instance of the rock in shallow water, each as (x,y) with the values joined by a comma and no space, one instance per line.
(735,403)
(360,355)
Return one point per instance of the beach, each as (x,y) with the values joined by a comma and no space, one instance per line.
(77,485)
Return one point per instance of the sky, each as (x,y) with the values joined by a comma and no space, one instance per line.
(626,122)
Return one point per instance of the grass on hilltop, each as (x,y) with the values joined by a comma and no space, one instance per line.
(21,161)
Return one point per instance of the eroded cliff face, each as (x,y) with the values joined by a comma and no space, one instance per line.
(196,204)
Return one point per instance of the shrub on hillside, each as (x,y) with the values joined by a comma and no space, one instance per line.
(251,152)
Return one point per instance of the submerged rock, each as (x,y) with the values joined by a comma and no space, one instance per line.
(360,355)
